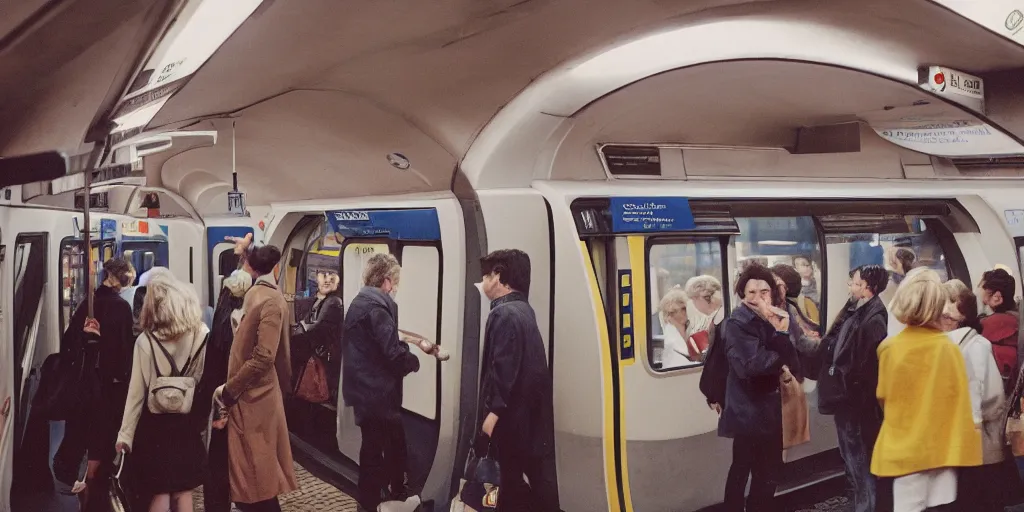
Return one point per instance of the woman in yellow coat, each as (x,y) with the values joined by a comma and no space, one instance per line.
(928,430)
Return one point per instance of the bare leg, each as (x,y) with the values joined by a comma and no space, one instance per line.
(182,501)
(160,503)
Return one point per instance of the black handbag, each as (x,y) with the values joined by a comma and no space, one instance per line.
(482,478)
(69,384)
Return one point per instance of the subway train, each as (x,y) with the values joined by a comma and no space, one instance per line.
(631,433)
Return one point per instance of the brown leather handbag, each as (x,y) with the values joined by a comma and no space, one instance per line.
(311,385)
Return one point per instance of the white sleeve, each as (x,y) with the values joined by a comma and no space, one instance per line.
(976,368)
(136,397)
(674,340)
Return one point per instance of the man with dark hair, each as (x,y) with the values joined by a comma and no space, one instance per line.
(1001,326)
(758,347)
(849,376)
(516,389)
(258,367)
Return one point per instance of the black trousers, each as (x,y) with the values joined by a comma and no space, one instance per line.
(515,495)
(760,458)
(382,460)
(271,505)
(217,488)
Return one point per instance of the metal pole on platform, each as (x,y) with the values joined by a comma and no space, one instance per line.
(99,152)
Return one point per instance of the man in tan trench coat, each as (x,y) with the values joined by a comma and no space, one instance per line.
(259,451)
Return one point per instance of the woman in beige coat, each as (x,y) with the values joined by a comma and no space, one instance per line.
(259,453)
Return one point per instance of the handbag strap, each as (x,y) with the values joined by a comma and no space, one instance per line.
(192,357)
(174,367)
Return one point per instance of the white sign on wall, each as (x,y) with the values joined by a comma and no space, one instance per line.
(965,89)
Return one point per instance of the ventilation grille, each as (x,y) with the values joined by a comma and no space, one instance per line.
(988,162)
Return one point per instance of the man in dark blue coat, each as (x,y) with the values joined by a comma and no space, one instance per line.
(759,349)
(516,391)
(375,362)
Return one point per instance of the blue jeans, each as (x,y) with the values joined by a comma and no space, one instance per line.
(856,442)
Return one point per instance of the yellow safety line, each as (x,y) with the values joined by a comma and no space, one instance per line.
(606,369)
(637,265)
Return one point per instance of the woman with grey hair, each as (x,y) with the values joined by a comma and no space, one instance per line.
(705,293)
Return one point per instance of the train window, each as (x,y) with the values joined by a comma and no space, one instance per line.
(30,258)
(672,264)
(790,241)
(898,243)
(353,262)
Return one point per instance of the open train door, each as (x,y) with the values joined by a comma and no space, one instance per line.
(220,256)
(428,239)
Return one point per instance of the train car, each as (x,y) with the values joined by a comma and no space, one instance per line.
(631,432)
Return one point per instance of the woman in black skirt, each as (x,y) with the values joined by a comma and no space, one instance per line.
(167,452)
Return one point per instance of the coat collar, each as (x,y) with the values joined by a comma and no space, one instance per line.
(511,297)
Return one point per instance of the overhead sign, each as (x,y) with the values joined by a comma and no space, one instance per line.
(631,160)
(651,214)
(934,129)
(967,90)
(413,224)
(236,203)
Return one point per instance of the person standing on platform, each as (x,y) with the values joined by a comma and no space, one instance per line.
(259,449)
(516,389)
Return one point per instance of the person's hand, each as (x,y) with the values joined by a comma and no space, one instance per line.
(241,243)
(716,407)
(92,326)
(122,447)
(779,319)
(489,423)
(221,423)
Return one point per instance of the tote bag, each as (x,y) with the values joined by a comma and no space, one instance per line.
(796,421)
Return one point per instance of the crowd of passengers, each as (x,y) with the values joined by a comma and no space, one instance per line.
(922,381)
(187,399)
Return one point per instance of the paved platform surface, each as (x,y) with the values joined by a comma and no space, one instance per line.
(314,495)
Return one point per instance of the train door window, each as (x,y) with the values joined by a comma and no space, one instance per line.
(792,242)
(353,261)
(679,326)
(418,298)
(30,258)
(897,242)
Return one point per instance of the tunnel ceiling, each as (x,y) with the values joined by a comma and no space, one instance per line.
(322,92)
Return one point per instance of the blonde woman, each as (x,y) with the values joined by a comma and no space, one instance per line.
(927,431)
(680,349)
(167,449)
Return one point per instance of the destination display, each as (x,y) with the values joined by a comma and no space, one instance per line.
(414,224)
(651,214)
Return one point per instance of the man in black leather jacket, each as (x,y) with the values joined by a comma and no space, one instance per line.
(320,332)
(849,376)
(517,390)
(375,363)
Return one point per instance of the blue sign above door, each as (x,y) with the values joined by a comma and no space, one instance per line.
(412,224)
(651,214)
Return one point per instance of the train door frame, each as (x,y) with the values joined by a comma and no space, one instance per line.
(98,244)
(215,239)
(397,248)
(24,346)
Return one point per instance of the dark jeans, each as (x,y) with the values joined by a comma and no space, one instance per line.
(382,460)
(271,505)
(217,489)
(857,433)
(981,489)
(760,458)
(515,495)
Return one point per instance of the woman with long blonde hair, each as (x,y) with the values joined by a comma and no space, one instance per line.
(165,443)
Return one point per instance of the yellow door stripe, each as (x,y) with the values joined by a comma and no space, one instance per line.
(606,370)
(638,266)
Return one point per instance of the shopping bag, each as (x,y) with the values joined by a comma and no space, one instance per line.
(119,501)
(311,385)
(796,421)
(478,489)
